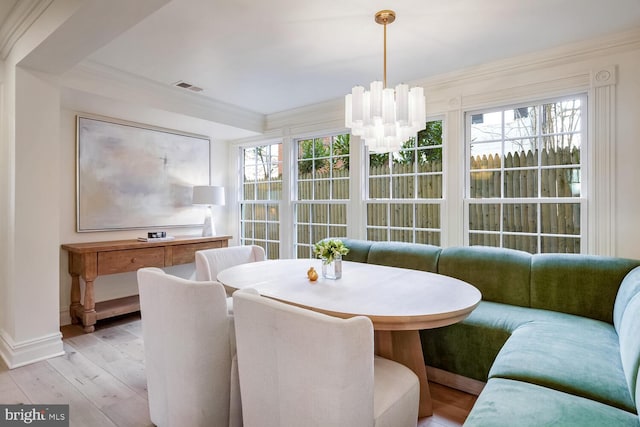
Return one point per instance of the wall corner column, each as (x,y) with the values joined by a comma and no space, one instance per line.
(31,330)
(602,137)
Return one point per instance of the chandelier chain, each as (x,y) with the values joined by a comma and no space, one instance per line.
(383,18)
(385,55)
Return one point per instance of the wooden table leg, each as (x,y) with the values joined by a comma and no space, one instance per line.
(405,347)
(75,298)
(89,315)
(89,273)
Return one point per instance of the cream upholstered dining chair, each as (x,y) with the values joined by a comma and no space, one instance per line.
(302,368)
(210,262)
(189,347)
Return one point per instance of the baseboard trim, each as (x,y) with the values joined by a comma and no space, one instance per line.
(17,354)
(449,379)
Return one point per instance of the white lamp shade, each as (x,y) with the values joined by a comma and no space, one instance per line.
(208,195)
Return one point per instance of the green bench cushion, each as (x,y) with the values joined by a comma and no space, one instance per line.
(470,347)
(626,319)
(465,349)
(629,288)
(358,250)
(509,403)
(501,275)
(575,355)
(629,333)
(584,285)
(405,255)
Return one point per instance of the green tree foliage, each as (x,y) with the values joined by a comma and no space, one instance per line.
(430,136)
(316,152)
(378,159)
(341,148)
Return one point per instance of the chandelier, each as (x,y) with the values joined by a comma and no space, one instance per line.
(385,118)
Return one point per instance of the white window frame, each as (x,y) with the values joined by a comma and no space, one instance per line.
(267,204)
(539,201)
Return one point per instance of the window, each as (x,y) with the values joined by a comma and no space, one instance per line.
(405,190)
(524,188)
(322,191)
(261,194)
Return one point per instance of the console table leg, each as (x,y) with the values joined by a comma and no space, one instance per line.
(405,347)
(75,298)
(89,316)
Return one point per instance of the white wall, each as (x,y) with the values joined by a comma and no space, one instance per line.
(75,102)
(627,171)
(6,173)
(36,199)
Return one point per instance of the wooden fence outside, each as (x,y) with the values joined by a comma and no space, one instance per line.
(518,220)
(521,176)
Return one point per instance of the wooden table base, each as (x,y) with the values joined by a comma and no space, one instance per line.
(405,348)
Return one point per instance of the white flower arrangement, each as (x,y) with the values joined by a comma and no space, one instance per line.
(329,249)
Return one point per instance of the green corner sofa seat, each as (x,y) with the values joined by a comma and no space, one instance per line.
(556,337)
(509,403)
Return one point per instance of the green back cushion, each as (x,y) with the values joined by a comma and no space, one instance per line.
(637,395)
(629,338)
(501,275)
(629,288)
(626,319)
(405,255)
(585,285)
(358,249)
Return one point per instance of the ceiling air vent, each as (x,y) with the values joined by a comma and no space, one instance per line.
(189,86)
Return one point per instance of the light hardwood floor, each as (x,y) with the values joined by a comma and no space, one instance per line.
(102,377)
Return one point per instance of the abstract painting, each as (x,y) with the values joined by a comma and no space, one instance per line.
(132,176)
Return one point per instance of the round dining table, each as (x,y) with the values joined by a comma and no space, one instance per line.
(400,302)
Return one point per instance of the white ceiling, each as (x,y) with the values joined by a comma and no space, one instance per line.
(271,56)
(281,54)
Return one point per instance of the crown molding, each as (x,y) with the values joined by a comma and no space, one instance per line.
(208,108)
(322,113)
(567,53)
(21,17)
(300,122)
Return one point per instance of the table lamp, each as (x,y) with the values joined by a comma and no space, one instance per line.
(208,195)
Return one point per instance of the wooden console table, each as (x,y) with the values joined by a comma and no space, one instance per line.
(90,260)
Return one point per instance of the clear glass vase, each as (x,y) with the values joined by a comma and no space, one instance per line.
(333,269)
